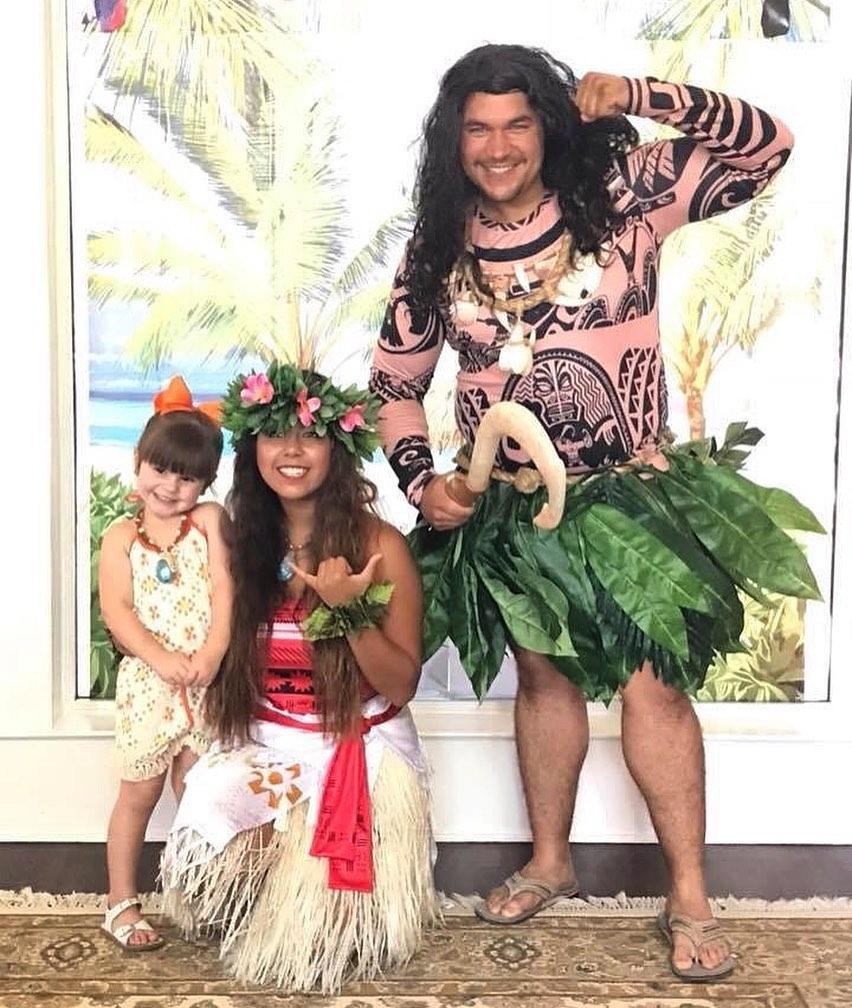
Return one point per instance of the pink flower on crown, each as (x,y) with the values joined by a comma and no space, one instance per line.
(257,390)
(352,418)
(305,408)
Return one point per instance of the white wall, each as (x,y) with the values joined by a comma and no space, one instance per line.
(775,775)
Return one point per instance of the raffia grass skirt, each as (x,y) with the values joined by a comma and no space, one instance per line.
(267,898)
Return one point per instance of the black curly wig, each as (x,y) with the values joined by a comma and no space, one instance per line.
(577,159)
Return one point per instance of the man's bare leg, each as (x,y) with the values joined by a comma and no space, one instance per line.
(664,752)
(552,737)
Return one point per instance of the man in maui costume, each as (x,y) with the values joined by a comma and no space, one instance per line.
(535,256)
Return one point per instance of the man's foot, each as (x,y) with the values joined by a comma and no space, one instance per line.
(696,939)
(125,924)
(526,892)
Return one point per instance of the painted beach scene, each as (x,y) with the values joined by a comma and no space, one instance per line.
(241,176)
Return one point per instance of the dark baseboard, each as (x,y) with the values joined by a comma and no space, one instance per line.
(766,871)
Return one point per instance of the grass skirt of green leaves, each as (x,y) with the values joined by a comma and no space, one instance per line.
(645,565)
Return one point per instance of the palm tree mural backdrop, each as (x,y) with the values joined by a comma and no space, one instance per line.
(226,235)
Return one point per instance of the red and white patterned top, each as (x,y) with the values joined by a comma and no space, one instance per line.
(288,682)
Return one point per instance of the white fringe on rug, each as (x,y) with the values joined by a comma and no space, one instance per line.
(26,902)
(269,903)
(649,906)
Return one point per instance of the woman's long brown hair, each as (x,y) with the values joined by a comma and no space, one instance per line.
(258,539)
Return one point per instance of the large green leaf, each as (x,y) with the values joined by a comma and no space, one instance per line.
(559,555)
(628,545)
(476,628)
(743,539)
(645,578)
(549,600)
(518,567)
(780,506)
(433,553)
(643,500)
(529,625)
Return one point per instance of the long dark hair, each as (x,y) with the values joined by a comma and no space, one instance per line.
(577,160)
(257,541)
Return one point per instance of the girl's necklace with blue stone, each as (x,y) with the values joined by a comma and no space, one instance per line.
(285,568)
(166,568)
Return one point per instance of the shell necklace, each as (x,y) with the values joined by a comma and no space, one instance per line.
(558,282)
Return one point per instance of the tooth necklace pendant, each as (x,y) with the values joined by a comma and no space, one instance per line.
(516,355)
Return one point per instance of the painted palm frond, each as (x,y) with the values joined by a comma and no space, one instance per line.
(207,320)
(107,141)
(375,254)
(304,215)
(222,154)
(138,266)
(203,58)
(359,296)
(684,33)
(361,310)
(204,276)
(146,179)
(733,252)
(729,296)
(251,267)
(701,20)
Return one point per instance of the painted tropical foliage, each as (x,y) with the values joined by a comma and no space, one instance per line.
(107,503)
(223,227)
(233,233)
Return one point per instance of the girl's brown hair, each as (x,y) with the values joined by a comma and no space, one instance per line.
(258,538)
(185,442)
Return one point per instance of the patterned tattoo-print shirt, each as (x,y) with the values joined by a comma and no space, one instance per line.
(597,382)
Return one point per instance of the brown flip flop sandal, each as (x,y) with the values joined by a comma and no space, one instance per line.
(700,933)
(515,885)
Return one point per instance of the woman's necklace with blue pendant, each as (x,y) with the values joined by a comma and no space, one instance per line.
(285,568)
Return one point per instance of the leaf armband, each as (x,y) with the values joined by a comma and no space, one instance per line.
(364,611)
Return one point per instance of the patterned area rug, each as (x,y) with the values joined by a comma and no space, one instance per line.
(603,959)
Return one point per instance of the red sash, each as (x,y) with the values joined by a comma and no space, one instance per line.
(344,830)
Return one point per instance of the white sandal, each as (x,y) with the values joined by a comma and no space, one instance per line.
(123,933)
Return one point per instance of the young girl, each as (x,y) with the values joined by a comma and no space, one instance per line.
(307,845)
(165,597)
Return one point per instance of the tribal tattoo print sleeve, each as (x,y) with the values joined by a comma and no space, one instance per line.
(729,152)
(404,361)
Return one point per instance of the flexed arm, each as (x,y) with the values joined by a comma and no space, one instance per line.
(728,154)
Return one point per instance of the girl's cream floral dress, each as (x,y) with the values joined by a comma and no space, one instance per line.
(155,720)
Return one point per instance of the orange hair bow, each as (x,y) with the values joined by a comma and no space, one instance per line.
(176,397)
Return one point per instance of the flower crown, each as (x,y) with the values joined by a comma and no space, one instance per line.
(287,397)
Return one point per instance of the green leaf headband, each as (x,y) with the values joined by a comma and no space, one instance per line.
(287,398)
